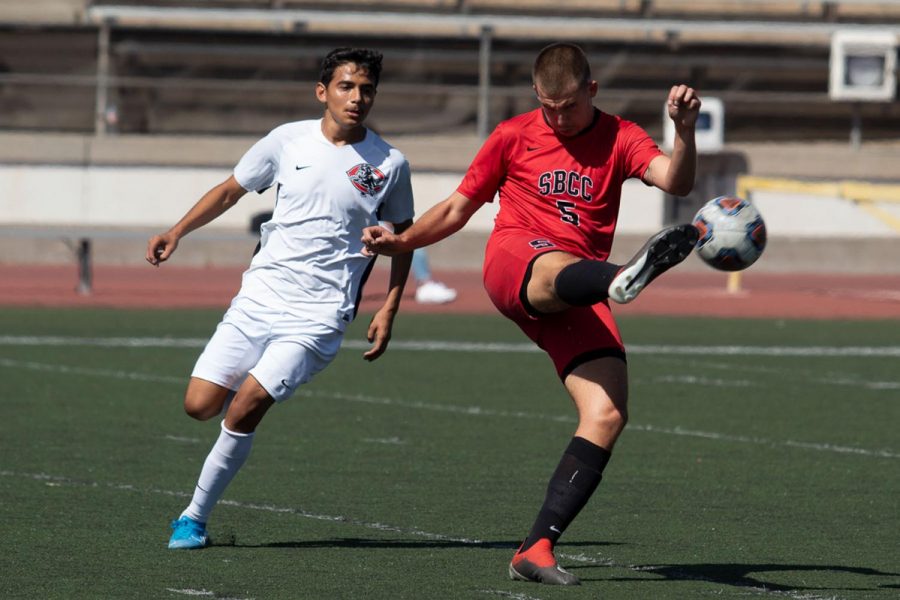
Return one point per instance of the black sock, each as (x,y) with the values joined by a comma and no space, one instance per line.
(586,282)
(575,479)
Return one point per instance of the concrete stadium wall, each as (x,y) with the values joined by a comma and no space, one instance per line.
(156,197)
(52,206)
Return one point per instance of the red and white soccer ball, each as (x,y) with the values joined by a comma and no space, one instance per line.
(732,233)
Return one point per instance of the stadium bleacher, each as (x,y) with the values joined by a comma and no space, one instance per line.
(71,10)
(203,68)
(192,83)
(833,10)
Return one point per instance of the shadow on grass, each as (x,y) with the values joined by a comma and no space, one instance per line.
(731,574)
(375,543)
(749,575)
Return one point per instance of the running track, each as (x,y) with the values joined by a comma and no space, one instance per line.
(811,296)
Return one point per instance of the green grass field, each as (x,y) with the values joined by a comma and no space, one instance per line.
(771,470)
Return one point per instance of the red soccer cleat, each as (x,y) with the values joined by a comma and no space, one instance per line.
(538,565)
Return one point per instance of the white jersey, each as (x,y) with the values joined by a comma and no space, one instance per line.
(310,262)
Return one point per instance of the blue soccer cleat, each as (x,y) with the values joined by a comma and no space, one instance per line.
(188,534)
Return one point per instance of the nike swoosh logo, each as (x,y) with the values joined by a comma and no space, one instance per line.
(285,383)
(553,528)
(298,167)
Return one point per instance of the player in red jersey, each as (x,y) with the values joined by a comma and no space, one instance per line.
(559,171)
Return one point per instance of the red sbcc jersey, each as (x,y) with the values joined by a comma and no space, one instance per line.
(564,189)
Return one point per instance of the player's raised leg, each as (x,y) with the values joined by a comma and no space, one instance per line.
(661,252)
(599,389)
(227,456)
(560,280)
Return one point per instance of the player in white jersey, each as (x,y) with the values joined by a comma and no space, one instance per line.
(333,177)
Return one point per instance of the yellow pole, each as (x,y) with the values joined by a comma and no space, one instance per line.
(864,194)
(734,282)
(735,278)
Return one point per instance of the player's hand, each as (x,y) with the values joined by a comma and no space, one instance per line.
(378,240)
(379,334)
(160,248)
(683,106)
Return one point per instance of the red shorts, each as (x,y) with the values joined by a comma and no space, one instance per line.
(571,337)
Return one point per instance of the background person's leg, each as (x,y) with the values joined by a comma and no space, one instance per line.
(428,290)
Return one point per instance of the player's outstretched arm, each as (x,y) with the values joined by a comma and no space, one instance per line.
(379,333)
(213,203)
(441,220)
(676,174)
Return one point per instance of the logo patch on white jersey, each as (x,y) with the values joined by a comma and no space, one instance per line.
(366,178)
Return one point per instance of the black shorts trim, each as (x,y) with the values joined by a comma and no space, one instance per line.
(362,284)
(591,355)
(523,290)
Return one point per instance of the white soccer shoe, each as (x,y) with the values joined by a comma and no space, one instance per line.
(661,252)
(434,292)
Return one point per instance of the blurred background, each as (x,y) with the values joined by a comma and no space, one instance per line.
(115,117)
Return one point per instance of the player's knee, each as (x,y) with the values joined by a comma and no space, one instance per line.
(615,418)
(607,418)
(199,407)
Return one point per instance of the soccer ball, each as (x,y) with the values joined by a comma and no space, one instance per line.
(732,233)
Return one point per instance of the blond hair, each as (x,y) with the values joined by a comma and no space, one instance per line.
(560,65)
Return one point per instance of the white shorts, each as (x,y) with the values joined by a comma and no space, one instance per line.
(282,351)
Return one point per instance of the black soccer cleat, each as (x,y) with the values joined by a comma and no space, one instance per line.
(661,252)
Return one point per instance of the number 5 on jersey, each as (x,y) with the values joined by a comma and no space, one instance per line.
(567,212)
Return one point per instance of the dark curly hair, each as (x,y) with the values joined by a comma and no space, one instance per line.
(364,58)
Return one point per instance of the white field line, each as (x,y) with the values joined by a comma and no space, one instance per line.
(799,351)
(486,412)
(108,373)
(816,377)
(436,346)
(185,440)
(872,385)
(445,346)
(101,342)
(813,351)
(202,593)
(505,594)
(59,481)
(467,410)
(392,441)
(705,381)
